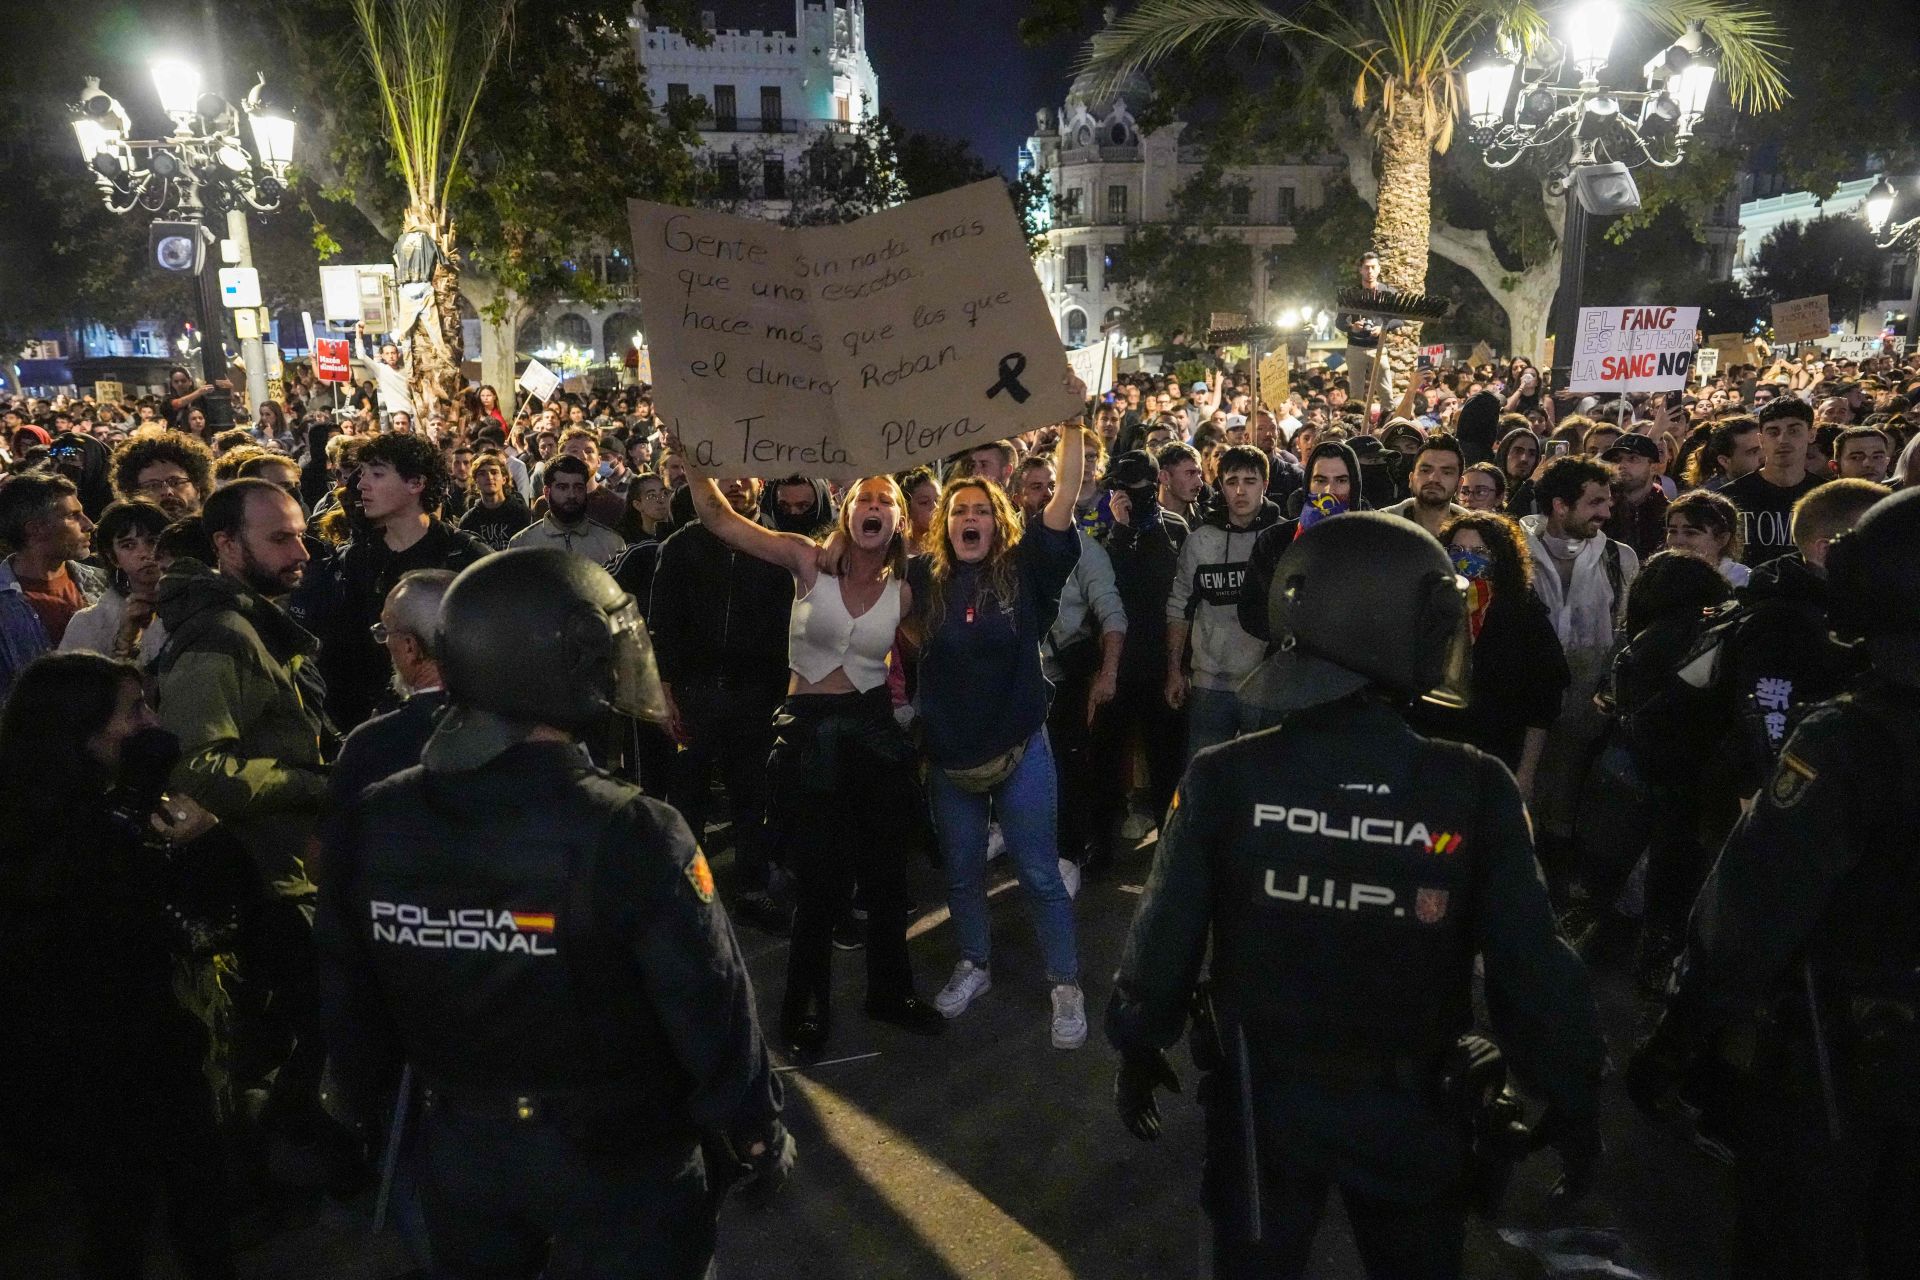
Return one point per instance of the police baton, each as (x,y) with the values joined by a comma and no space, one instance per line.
(389,1162)
(1249,1139)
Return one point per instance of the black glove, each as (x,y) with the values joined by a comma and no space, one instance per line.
(1140,1074)
(1657,1070)
(767,1169)
(1577,1139)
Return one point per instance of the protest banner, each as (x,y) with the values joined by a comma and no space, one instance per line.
(1801,320)
(1623,349)
(1274,374)
(332,360)
(109,392)
(1093,365)
(539,381)
(1863,346)
(1433,356)
(849,350)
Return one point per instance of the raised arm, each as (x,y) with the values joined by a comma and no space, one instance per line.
(792,552)
(1073,451)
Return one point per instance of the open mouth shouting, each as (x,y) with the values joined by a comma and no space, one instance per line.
(970,539)
(872,525)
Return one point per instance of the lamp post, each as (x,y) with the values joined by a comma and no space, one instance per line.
(202,168)
(1516,106)
(1878,208)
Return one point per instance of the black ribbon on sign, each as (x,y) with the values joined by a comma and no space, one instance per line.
(1011,367)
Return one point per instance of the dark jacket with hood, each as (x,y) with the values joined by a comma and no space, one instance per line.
(239,686)
(1476,427)
(1520,500)
(812,521)
(1784,657)
(1146,556)
(718,613)
(1274,540)
(1206,596)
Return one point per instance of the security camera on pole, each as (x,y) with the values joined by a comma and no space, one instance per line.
(200,170)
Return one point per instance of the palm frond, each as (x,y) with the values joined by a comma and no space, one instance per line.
(1750,42)
(1157,29)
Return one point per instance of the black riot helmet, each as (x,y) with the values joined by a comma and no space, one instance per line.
(537,636)
(1873,584)
(1364,599)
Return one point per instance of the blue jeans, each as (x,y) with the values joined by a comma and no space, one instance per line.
(1215,716)
(1025,805)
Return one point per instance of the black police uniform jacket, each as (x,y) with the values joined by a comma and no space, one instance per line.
(539,927)
(1347,871)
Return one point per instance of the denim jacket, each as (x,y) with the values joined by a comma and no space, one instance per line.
(22,638)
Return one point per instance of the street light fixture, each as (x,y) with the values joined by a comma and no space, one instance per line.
(1600,133)
(202,166)
(1878,208)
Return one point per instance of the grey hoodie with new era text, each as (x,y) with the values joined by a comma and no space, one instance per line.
(1206,595)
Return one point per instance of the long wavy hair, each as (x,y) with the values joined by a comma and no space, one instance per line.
(998,579)
(1512,563)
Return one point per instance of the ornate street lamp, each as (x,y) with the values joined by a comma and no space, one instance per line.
(1517,106)
(1878,208)
(201,167)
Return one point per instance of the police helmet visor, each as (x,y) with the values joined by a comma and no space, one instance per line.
(1450,637)
(636,675)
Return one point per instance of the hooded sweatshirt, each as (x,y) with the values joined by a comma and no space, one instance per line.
(1274,540)
(1585,608)
(1206,595)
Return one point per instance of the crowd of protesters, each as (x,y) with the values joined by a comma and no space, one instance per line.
(1012,655)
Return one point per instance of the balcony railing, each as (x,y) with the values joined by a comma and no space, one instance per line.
(772,124)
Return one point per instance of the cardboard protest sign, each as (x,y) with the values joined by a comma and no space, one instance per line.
(1733,348)
(845,351)
(539,381)
(1273,382)
(1801,320)
(1622,349)
(332,360)
(105,392)
(1482,354)
(642,364)
(1093,365)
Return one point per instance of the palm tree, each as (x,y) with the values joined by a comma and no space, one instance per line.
(430,60)
(1405,58)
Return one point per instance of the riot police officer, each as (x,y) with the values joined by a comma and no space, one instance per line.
(1347,872)
(540,942)
(1801,978)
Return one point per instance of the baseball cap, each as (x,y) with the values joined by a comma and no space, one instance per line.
(1638,446)
(1198,386)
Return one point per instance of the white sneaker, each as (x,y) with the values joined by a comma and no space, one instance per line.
(996,842)
(968,980)
(1070,874)
(1069,1017)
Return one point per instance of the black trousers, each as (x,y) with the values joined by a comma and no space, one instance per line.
(845,796)
(506,1200)
(730,727)
(1139,706)
(1081,782)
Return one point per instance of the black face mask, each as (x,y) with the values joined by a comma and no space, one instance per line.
(804,523)
(1145,501)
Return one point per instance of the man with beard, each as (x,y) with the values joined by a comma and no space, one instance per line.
(719,624)
(43,584)
(801,506)
(169,468)
(498,512)
(565,525)
(238,686)
(1434,479)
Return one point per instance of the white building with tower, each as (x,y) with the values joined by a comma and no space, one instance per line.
(1105,176)
(778,77)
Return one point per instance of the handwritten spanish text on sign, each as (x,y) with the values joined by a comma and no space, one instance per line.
(1623,349)
(848,350)
(1801,320)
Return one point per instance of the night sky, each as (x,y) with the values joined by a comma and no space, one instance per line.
(947,67)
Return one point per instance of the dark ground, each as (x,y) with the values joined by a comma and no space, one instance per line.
(988,1153)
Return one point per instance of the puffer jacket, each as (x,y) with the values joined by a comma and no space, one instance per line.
(239,686)
(1206,595)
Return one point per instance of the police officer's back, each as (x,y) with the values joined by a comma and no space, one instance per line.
(1347,871)
(1804,953)
(540,942)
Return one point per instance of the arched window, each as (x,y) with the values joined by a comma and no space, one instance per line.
(573,329)
(1076,328)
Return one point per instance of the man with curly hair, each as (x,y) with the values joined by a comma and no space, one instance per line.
(166,467)
(402,482)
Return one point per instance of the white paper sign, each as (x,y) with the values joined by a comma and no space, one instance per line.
(1622,349)
(539,381)
(1857,347)
(1706,361)
(850,350)
(1094,365)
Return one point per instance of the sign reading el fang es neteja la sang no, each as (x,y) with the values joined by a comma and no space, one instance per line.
(1621,349)
(848,350)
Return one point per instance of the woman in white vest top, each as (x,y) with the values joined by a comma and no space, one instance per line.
(841,770)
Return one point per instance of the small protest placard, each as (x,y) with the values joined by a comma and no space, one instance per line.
(332,360)
(1482,354)
(1734,348)
(1622,349)
(105,392)
(1273,382)
(1434,356)
(539,381)
(1706,361)
(1093,365)
(850,350)
(1801,320)
(642,365)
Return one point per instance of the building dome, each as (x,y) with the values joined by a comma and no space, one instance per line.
(1086,94)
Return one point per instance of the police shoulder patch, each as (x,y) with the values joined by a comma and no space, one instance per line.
(1790,781)
(700,876)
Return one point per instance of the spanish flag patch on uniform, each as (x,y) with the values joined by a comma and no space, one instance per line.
(700,876)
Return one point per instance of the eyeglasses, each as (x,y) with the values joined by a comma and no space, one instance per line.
(165,484)
(379,632)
